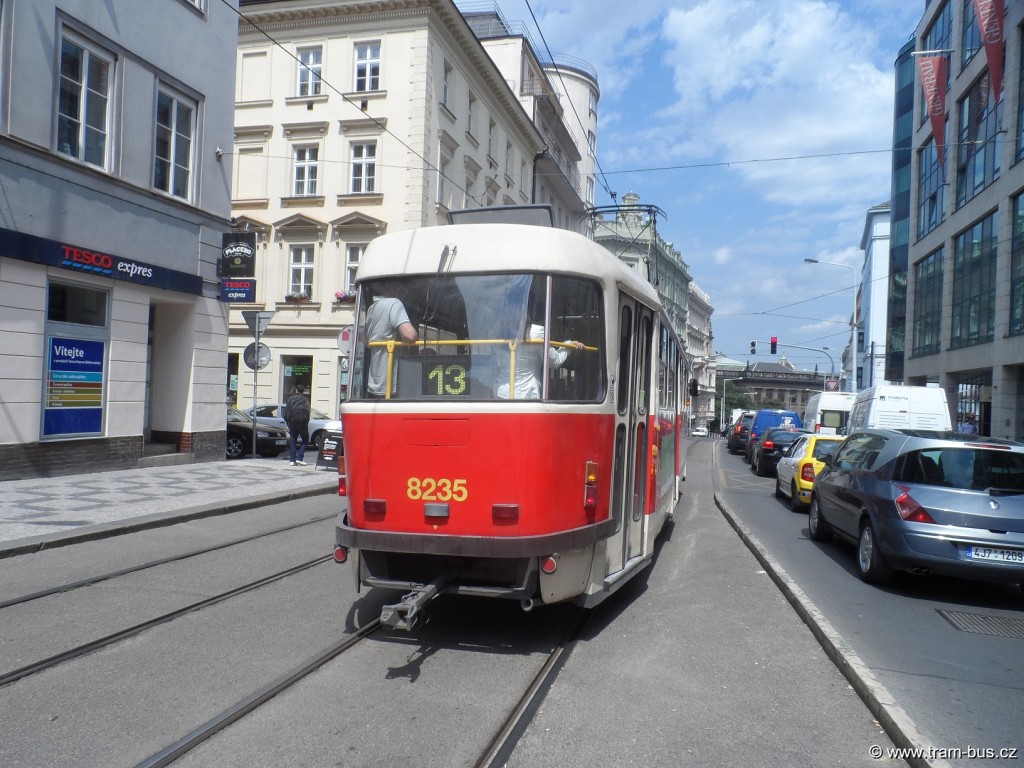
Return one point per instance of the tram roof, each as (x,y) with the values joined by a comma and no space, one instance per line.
(496,248)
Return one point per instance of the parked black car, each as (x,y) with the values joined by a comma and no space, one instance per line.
(765,419)
(774,442)
(737,442)
(270,441)
(925,502)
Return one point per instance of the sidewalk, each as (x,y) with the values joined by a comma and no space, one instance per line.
(52,511)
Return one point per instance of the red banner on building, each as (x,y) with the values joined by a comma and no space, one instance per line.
(990,15)
(933,81)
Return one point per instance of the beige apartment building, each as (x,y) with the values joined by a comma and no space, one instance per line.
(355,119)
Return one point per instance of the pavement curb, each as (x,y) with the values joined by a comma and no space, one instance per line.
(99,531)
(896,722)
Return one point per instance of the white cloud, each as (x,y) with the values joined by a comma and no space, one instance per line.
(758,81)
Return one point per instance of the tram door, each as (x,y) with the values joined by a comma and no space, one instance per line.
(632,395)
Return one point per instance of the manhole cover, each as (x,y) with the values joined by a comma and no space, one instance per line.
(985,624)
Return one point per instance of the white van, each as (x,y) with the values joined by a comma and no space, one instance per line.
(827,412)
(894,406)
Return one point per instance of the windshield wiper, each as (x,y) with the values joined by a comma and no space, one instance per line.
(993,491)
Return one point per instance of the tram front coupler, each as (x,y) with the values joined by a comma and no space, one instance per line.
(409,611)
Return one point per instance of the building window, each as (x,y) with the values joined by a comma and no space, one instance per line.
(77,304)
(306,160)
(302,270)
(971,37)
(364,168)
(310,69)
(508,159)
(1017,269)
(446,84)
(83,106)
(1020,103)
(977,154)
(442,181)
(469,114)
(939,37)
(974,285)
(928,304)
(175,125)
(490,138)
(367,67)
(931,191)
(353,255)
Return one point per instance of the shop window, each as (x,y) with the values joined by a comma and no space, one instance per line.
(77,304)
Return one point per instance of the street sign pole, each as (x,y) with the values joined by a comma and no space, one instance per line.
(255,389)
(257,322)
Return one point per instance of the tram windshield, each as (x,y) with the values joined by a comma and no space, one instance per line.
(516,337)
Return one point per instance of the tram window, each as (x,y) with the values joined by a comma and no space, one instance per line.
(488,337)
(643,361)
(663,378)
(625,364)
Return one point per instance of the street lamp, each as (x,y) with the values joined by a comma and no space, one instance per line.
(853,320)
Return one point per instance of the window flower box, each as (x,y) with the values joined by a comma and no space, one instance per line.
(296,298)
(344,296)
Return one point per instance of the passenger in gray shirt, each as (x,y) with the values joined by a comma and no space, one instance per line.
(386,319)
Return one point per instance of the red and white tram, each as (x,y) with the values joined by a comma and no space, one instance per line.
(529,444)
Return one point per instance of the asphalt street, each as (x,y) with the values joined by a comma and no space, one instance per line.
(716,647)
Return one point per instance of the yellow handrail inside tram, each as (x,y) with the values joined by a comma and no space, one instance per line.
(513,344)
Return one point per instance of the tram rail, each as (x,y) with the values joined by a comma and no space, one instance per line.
(85,648)
(216,724)
(62,588)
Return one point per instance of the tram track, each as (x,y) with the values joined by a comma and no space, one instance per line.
(86,648)
(501,746)
(216,724)
(92,580)
(496,753)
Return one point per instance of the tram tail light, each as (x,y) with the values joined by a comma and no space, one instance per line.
(340,554)
(590,487)
(375,507)
(505,513)
(342,477)
(549,564)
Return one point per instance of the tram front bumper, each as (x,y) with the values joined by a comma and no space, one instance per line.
(470,546)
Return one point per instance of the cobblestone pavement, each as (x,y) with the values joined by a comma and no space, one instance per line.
(38,512)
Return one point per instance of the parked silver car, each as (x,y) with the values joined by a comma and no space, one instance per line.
(925,502)
(319,422)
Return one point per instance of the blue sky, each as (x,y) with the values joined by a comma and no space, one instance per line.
(701,100)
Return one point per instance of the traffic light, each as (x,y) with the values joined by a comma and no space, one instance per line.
(753,347)
(694,388)
(775,344)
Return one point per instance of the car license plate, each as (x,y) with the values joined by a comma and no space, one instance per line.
(282,441)
(996,554)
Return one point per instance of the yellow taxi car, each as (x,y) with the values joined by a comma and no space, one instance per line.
(799,466)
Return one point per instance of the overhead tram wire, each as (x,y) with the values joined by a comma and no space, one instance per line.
(383,127)
(603,173)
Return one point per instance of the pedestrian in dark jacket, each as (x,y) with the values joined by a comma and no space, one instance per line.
(296,414)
